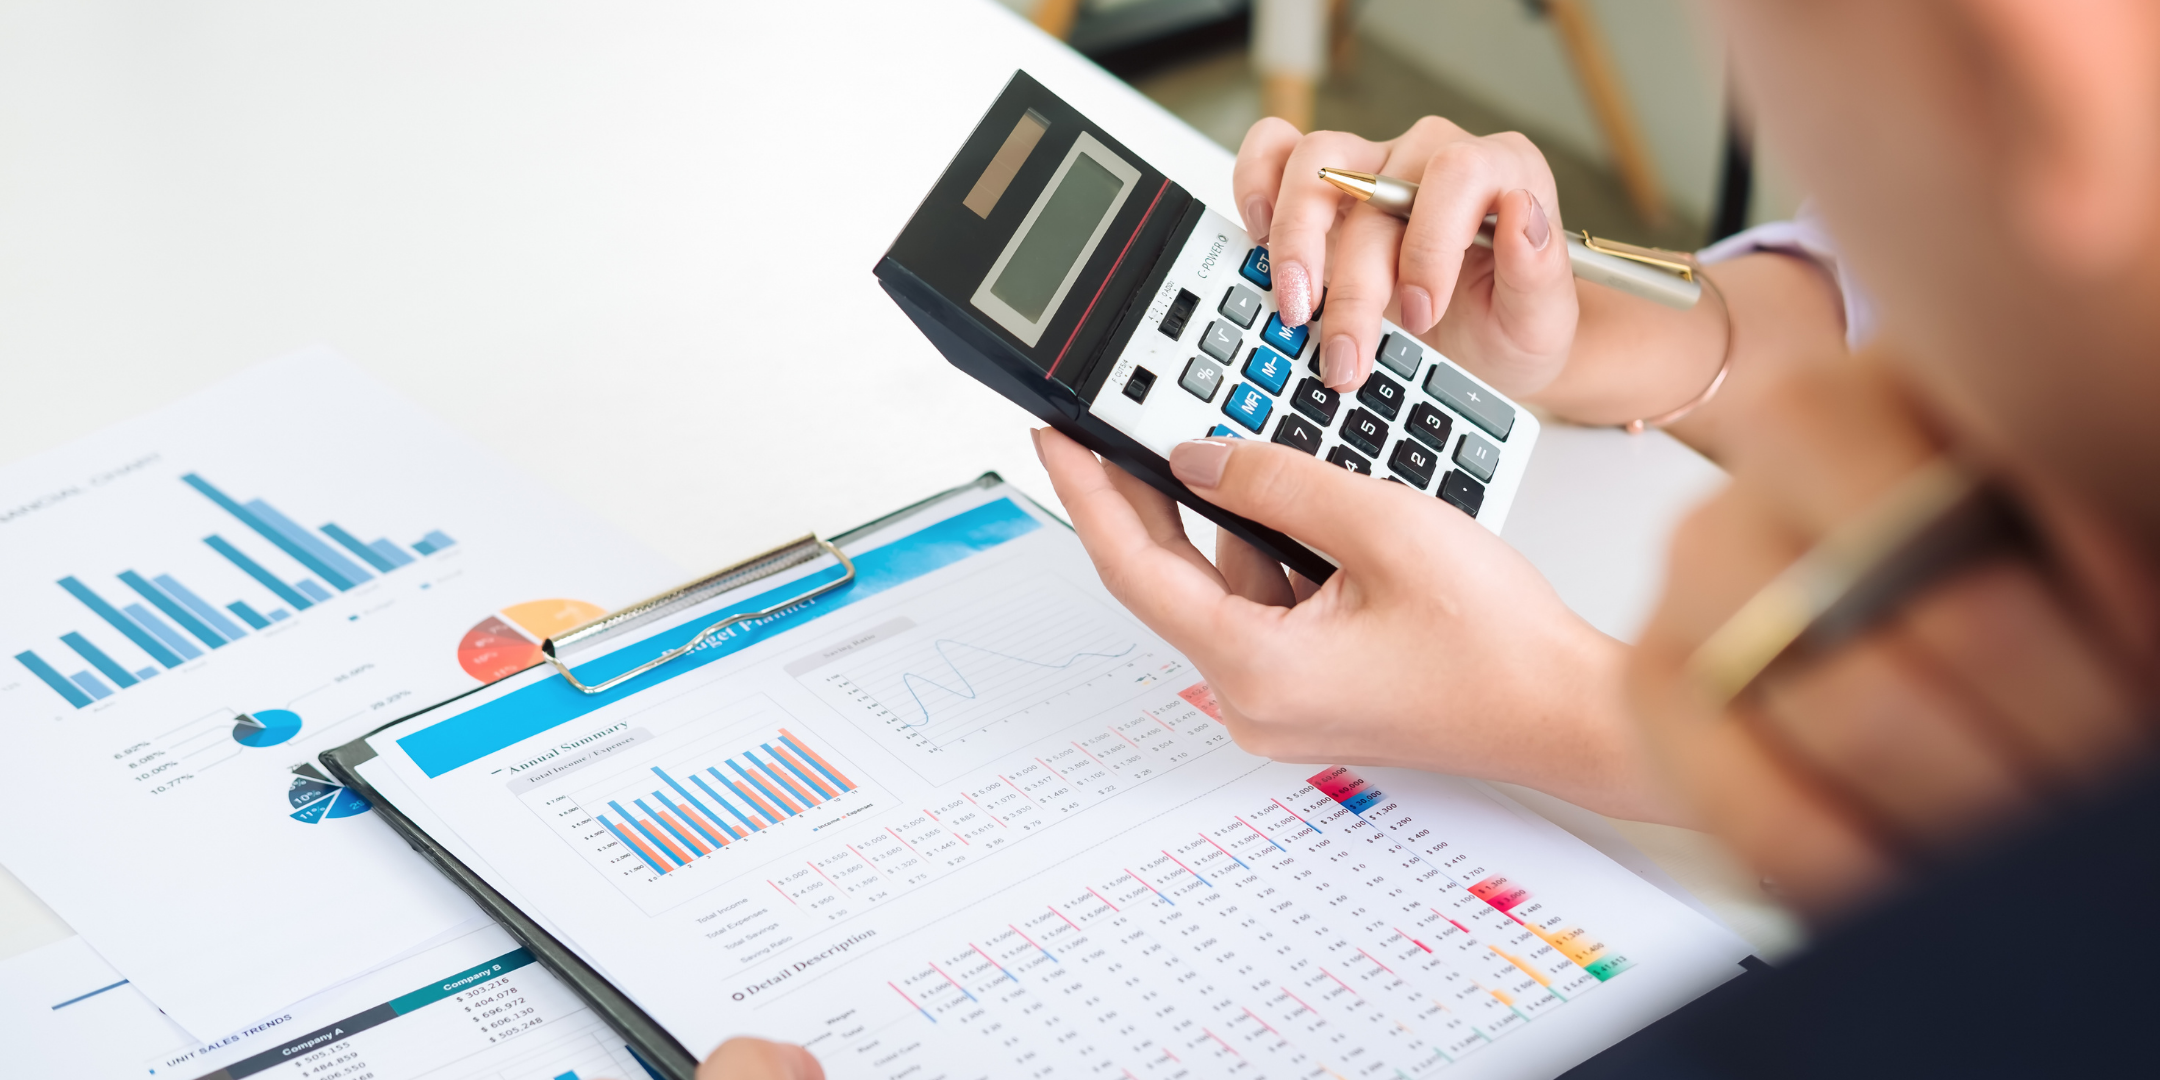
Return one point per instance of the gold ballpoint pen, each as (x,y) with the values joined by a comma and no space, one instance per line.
(1667,277)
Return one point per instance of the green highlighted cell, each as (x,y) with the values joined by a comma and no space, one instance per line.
(1610,966)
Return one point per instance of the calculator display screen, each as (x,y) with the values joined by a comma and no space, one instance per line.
(1046,253)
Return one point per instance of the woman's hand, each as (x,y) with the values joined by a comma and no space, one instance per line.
(1982,700)
(1509,312)
(759,1059)
(1435,645)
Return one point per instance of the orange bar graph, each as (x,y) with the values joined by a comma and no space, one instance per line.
(792,737)
(659,833)
(689,835)
(784,753)
(808,800)
(650,856)
(749,791)
(717,834)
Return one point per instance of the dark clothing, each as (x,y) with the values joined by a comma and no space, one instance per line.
(2026,961)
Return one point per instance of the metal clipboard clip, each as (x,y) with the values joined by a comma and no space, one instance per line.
(786,557)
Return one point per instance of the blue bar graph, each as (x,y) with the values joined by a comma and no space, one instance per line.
(164,632)
(248,614)
(119,675)
(255,570)
(423,547)
(127,627)
(352,543)
(196,604)
(724,804)
(52,678)
(90,683)
(299,553)
(344,573)
(172,609)
(692,800)
(389,551)
(624,840)
(175,624)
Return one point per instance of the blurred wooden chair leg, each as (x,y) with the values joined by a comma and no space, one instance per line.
(1289,51)
(1592,60)
(1056,17)
(1342,53)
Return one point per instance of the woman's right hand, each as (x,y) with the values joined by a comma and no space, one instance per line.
(1509,313)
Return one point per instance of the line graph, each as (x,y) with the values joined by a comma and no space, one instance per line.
(916,683)
(955,690)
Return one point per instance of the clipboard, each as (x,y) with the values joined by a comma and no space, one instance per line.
(658,1051)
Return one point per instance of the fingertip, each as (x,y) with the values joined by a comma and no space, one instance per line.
(1416,307)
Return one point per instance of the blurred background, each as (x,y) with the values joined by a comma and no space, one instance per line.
(1627,98)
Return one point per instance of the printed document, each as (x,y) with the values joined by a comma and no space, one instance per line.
(966,817)
(200,601)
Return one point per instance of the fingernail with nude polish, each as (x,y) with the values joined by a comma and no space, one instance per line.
(1293,293)
(1416,309)
(1338,364)
(1257,216)
(1538,230)
(1200,462)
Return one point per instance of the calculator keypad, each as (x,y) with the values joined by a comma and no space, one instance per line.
(1241,306)
(1349,459)
(1283,339)
(1268,368)
(1201,379)
(1243,366)
(1382,395)
(1294,431)
(1477,457)
(1247,406)
(1221,340)
(1365,431)
(1315,400)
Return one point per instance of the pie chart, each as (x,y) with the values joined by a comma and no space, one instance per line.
(508,641)
(266,727)
(316,798)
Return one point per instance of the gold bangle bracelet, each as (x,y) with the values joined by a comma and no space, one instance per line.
(1636,427)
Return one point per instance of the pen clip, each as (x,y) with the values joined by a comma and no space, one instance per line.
(548,648)
(1672,262)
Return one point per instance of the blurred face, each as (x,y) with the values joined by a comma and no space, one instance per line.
(2007,246)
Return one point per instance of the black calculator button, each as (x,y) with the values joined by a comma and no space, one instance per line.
(1382,395)
(1181,309)
(1413,461)
(1343,456)
(1141,382)
(1462,492)
(1431,425)
(1470,401)
(1201,379)
(1241,306)
(1221,340)
(1477,457)
(1401,354)
(1294,431)
(1314,399)
(1365,431)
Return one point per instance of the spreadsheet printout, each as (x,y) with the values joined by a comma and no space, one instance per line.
(202,599)
(966,817)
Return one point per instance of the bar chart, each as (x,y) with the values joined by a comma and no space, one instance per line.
(169,623)
(673,818)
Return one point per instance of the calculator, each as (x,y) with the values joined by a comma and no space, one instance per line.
(1054,265)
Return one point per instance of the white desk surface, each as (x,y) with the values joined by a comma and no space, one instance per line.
(628,245)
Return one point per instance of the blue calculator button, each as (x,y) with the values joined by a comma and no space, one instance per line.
(1269,368)
(1221,431)
(1256,268)
(1283,339)
(1247,406)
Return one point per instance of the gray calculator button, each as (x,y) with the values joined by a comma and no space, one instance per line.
(1241,306)
(1201,379)
(1221,340)
(1477,457)
(1474,403)
(1401,354)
